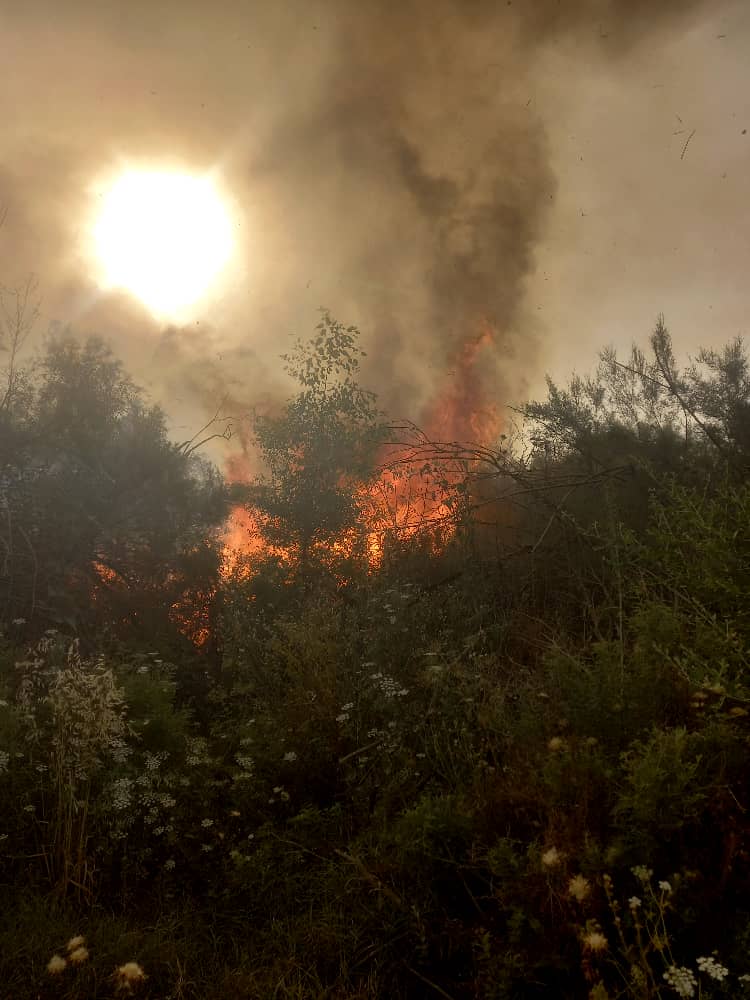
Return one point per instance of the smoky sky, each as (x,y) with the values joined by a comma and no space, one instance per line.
(425,169)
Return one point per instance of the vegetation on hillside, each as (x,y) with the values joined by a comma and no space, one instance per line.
(504,760)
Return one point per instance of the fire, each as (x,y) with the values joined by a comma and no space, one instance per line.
(192,615)
(419,491)
(420,487)
(459,411)
(242,540)
(106,574)
(191,612)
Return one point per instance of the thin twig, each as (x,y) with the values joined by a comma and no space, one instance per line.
(687,143)
(429,982)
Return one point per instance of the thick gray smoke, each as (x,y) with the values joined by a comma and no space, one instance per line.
(390,162)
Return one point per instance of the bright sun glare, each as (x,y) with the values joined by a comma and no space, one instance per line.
(164,237)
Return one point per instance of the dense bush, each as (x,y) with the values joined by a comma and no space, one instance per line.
(452,775)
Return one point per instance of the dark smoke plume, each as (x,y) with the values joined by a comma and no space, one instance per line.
(388,159)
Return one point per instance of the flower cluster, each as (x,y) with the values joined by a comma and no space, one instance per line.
(579,888)
(128,976)
(197,751)
(246,762)
(388,686)
(712,968)
(594,941)
(551,858)
(76,951)
(682,980)
(642,873)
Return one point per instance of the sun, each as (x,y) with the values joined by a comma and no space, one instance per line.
(163,236)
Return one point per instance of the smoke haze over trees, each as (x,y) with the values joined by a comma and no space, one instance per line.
(347,658)
(420,168)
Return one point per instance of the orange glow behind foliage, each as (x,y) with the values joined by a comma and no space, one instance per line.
(417,492)
(414,493)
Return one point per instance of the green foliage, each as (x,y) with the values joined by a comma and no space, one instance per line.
(662,791)
(443,778)
(320,449)
(107,520)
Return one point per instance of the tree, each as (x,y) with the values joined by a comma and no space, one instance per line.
(105,519)
(650,408)
(319,450)
(601,449)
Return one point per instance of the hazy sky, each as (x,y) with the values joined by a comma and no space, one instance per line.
(422,168)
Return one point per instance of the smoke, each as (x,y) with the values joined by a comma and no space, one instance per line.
(388,161)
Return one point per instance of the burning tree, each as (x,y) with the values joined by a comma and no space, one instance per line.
(317,454)
(342,487)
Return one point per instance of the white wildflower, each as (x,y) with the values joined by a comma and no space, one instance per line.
(205,823)
(128,974)
(642,873)
(342,717)
(665,887)
(681,980)
(78,955)
(121,793)
(290,756)
(551,858)
(56,965)
(579,888)
(153,761)
(119,749)
(75,942)
(595,941)
(712,968)
(634,902)
(346,708)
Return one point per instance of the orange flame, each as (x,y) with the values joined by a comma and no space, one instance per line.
(419,488)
